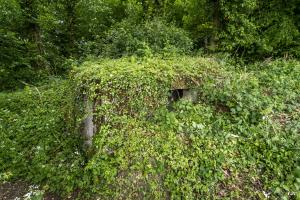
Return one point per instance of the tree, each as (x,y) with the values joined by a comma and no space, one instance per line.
(31,28)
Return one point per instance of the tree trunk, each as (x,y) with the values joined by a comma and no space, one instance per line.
(31,29)
(70,7)
(216,24)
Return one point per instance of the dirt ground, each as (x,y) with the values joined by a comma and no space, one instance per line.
(12,191)
(16,190)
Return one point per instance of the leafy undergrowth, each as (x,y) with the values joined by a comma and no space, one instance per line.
(38,142)
(239,140)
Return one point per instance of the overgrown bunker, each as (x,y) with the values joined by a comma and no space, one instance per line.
(124,88)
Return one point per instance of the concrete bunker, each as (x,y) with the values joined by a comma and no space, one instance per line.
(91,125)
(188,94)
(182,88)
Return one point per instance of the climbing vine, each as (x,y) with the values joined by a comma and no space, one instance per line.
(238,139)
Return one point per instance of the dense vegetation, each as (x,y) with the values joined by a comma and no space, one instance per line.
(239,139)
(42,37)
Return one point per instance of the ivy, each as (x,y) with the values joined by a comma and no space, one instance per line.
(232,143)
(239,139)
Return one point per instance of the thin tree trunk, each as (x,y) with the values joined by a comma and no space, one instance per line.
(71,21)
(216,24)
(31,29)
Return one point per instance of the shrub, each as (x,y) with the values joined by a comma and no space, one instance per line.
(38,138)
(151,37)
(15,66)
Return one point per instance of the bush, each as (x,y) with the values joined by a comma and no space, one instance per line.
(38,138)
(16,64)
(151,37)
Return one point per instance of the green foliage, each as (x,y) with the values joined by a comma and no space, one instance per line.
(117,82)
(10,13)
(95,17)
(19,57)
(143,39)
(38,138)
(260,28)
(38,37)
(261,106)
(240,140)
